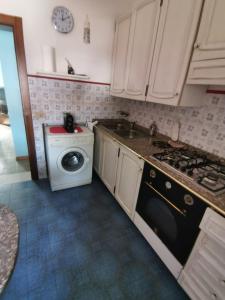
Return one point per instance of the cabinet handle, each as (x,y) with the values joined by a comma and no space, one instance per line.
(222,282)
(213,296)
(182,212)
(196,46)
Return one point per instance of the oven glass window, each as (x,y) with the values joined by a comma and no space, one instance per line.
(162,218)
(72,161)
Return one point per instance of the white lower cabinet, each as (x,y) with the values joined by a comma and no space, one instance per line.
(128,179)
(203,276)
(98,149)
(120,170)
(109,162)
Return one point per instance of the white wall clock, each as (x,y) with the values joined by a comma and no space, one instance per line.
(62,19)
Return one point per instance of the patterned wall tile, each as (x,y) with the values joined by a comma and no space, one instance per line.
(50,98)
(202,127)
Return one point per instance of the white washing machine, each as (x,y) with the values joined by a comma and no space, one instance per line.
(69,158)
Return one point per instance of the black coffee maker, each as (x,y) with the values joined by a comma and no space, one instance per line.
(68,122)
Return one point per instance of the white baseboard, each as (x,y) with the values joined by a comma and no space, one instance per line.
(15,177)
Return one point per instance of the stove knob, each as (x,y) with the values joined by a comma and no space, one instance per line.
(152,173)
(155,230)
(190,172)
(188,199)
(168,185)
(183,169)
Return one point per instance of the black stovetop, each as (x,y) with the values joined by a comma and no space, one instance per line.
(207,172)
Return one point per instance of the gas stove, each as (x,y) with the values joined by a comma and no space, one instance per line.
(206,172)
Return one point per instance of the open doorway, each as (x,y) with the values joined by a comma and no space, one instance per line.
(14,160)
(17,148)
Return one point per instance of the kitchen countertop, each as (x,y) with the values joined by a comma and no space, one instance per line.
(144,148)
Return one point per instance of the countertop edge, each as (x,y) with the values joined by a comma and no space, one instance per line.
(152,161)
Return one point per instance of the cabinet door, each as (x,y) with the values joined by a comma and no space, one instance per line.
(98,151)
(120,55)
(129,173)
(210,42)
(109,163)
(145,19)
(175,38)
(208,72)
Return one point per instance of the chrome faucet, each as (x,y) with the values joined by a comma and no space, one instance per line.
(153,129)
(123,113)
(132,125)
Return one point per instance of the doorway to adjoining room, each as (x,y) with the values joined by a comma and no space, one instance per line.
(14,158)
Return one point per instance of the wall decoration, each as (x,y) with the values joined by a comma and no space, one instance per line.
(87,31)
(62,19)
(49,59)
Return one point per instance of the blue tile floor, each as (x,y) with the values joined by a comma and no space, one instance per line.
(79,244)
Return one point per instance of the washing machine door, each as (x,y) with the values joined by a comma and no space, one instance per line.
(72,161)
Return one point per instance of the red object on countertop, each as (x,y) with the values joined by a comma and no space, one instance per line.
(61,129)
(57,129)
(79,129)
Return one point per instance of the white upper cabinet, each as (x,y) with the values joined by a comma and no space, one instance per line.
(173,48)
(153,48)
(144,25)
(120,55)
(208,61)
(210,43)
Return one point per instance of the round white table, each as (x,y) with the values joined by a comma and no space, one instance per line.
(9,232)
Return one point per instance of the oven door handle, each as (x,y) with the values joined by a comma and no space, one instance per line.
(167,201)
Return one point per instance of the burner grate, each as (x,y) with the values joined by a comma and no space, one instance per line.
(207,173)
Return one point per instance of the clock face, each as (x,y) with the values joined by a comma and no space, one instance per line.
(62,19)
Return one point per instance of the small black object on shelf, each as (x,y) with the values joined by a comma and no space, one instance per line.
(68,122)
(70,69)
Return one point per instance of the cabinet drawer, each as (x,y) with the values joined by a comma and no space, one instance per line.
(208,276)
(213,252)
(213,225)
(207,72)
(204,289)
(194,288)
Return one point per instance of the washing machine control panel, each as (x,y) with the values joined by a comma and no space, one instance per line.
(71,141)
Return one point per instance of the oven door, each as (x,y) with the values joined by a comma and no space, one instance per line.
(168,222)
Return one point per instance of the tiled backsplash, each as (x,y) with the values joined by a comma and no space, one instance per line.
(201,127)
(50,98)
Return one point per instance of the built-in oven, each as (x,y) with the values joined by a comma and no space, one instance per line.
(172,212)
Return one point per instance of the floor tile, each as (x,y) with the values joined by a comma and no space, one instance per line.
(79,244)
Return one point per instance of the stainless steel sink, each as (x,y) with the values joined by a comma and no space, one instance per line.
(124,130)
(115,126)
(130,133)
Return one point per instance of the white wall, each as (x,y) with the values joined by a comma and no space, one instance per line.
(93,59)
